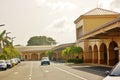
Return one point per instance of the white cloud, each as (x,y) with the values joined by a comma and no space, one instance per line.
(61,5)
(40,2)
(61,28)
(56,5)
(61,25)
(113,5)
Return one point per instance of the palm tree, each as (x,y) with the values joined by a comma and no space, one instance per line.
(7,50)
(4,40)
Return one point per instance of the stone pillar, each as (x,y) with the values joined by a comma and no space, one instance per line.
(38,56)
(93,56)
(119,55)
(108,57)
(98,57)
(30,57)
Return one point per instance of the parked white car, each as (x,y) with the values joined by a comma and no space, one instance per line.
(9,63)
(3,64)
(14,61)
(114,74)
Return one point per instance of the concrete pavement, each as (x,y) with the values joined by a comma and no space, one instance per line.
(32,70)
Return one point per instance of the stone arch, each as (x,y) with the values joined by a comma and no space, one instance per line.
(103,54)
(113,53)
(90,54)
(34,56)
(95,54)
(26,57)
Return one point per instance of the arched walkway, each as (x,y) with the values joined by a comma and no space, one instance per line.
(26,57)
(95,54)
(113,54)
(90,54)
(34,56)
(103,54)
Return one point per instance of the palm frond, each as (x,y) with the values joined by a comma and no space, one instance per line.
(2,34)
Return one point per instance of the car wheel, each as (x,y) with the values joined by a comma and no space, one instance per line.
(41,63)
(48,63)
(5,68)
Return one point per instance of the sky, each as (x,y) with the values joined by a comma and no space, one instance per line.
(51,18)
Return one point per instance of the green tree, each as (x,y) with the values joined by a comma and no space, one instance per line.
(66,52)
(76,50)
(3,56)
(70,51)
(49,54)
(40,40)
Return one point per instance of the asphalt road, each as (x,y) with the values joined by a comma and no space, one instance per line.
(32,70)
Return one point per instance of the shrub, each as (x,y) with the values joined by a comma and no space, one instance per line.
(70,60)
(76,61)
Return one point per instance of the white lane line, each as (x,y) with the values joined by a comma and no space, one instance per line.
(31,66)
(71,73)
(30,78)
(30,75)
(15,72)
(46,71)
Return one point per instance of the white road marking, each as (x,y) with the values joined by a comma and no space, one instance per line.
(31,66)
(71,73)
(15,72)
(47,71)
(29,77)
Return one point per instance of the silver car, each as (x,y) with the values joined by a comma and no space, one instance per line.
(114,74)
(45,60)
(3,64)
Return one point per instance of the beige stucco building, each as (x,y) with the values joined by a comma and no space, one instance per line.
(33,52)
(98,33)
(57,50)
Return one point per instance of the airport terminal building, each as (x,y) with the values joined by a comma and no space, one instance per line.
(98,33)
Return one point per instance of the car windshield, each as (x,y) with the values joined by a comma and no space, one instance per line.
(116,70)
(45,58)
(1,61)
(7,61)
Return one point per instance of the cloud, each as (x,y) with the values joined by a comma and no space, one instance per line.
(56,5)
(113,5)
(61,28)
(61,25)
(40,2)
(61,5)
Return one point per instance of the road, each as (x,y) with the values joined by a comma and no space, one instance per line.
(32,70)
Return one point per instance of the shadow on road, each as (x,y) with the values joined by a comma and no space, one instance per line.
(97,70)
